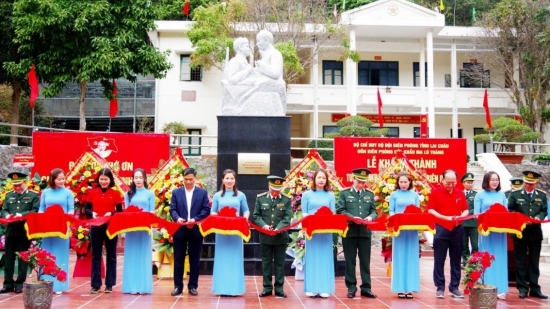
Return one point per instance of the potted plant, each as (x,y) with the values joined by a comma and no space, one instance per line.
(542,159)
(174,127)
(481,295)
(38,294)
(507,130)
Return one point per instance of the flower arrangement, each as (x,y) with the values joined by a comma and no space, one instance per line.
(475,268)
(173,179)
(295,188)
(81,235)
(163,241)
(35,184)
(298,245)
(387,183)
(81,183)
(42,262)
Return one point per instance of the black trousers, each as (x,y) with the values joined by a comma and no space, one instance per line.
(273,255)
(15,244)
(527,276)
(187,240)
(98,235)
(453,242)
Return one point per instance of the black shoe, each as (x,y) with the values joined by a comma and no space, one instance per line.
(193,292)
(280,294)
(18,290)
(264,294)
(368,294)
(6,290)
(532,294)
(351,294)
(522,294)
(176,292)
(94,290)
(109,289)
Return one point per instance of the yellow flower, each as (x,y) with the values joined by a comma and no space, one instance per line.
(80,229)
(83,189)
(165,235)
(74,182)
(166,208)
(80,236)
(36,188)
(385,205)
(97,168)
(157,200)
(391,180)
(385,190)
(168,195)
(87,174)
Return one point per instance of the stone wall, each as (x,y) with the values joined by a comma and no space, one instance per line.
(6,159)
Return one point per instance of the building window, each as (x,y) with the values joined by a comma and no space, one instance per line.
(392,132)
(378,73)
(416,132)
(333,72)
(459,133)
(186,72)
(330,129)
(192,140)
(416,74)
(473,75)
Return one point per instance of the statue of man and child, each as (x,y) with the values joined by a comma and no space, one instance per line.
(258,90)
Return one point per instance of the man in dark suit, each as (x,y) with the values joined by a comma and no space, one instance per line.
(188,204)
(19,202)
(532,203)
(358,202)
(272,212)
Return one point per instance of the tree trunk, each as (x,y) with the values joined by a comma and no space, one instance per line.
(15,98)
(83,88)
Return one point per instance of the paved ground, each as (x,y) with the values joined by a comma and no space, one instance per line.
(79,297)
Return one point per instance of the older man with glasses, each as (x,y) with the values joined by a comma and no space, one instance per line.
(447,203)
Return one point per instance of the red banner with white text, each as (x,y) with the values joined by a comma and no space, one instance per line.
(124,152)
(431,156)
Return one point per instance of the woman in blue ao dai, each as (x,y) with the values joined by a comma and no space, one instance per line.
(57,194)
(405,257)
(136,274)
(319,260)
(228,274)
(494,243)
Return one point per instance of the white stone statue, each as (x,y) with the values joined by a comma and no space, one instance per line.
(258,91)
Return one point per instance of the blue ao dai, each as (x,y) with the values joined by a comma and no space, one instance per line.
(137,272)
(319,260)
(405,251)
(58,246)
(228,274)
(494,243)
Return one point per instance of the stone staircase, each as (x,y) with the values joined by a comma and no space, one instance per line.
(478,172)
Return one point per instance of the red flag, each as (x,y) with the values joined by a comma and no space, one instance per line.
(113,106)
(423,125)
(486,107)
(186,8)
(33,84)
(380,118)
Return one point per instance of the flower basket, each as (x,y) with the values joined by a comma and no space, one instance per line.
(37,294)
(483,297)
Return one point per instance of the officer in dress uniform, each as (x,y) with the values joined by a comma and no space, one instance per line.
(533,203)
(471,235)
(516,183)
(272,212)
(18,202)
(358,202)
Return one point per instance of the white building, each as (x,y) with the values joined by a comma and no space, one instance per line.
(392,37)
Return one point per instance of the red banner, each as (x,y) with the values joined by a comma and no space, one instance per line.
(410,119)
(124,152)
(23,160)
(431,156)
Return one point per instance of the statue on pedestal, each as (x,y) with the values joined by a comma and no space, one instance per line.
(258,91)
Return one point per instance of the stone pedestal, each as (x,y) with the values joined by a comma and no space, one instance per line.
(253,134)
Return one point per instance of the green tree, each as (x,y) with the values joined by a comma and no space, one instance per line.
(84,41)
(517,33)
(301,28)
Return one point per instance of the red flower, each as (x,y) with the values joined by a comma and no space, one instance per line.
(161,240)
(62,276)
(475,275)
(85,232)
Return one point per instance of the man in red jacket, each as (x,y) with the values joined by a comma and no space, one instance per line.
(447,203)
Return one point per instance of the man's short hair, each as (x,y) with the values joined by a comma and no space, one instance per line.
(188,171)
(265,34)
(238,42)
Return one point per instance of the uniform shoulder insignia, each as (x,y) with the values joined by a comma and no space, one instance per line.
(542,191)
(261,194)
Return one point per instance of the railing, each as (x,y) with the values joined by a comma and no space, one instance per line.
(531,149)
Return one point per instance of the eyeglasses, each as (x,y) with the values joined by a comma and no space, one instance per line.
(495,180)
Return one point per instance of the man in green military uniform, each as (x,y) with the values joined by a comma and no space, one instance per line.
(533,203)
(516,184)
(18,203)
(357,202)
(470,226)
(272,212)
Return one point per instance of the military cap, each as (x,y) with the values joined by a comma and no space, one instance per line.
(516,182)
(467,176)
(361,174)
(275,182)
(17,178)
(531,177)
